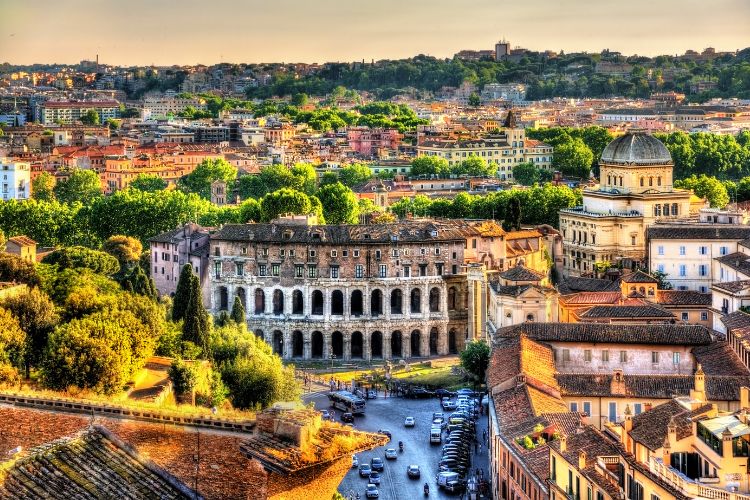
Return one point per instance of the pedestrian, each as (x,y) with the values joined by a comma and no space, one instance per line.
(484,435)
(480,447)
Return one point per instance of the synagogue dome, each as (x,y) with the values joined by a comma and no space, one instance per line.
(636,148)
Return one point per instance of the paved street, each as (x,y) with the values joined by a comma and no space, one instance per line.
(389,414)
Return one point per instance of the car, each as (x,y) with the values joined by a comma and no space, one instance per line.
(438,421)
(465,392)
(347,417)
(391,454)
(413,471)
(410,422)
(454,486)
(377,464)
(375,478)
(371,394)
(449,405)
(355,461)
(365,470)
(419,393)
(325,414)
(372,491)
(385,432)
(444,393)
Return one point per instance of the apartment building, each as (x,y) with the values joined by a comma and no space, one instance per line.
(16,179)
(68,112)
(164,106)
(368,142)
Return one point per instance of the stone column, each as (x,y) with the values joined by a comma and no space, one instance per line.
(406,344)
(327,305)
(366,354)
(347,345)
(424,342)
(287,347)
(442,340)
(386,345)
(307,344)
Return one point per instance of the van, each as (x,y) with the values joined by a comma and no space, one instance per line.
(436,435)
(444,477)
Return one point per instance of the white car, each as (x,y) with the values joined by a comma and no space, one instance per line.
(390,454)
(409,422)
(372,491)
(355,461)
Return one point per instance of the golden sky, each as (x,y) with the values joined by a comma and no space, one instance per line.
(163,32)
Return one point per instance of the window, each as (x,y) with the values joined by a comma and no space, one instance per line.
(437,251)
(262,270)
(334,253)
(612,411)
(345,253)
(377,254)
(217,252)
(407,271)
(383,271)
(355,253)
(423,269)
(275,268)
(702,270)
(217,269)
(703,250)
(282,253)
(660,268)
(724,250)
(683,270)
(682,250)
(637,408)
(394,252)
(654,357)
(704,316)
(264,252)
(244,250)
(660,250)
(605,356)
(675,358)
(438,269)
(311,253)
(566,354)
(587,408)
(240,268)
(334,272)
(291,253)
(623,356)
(684,316)
(573,407)
(632,240)
(312,271)
(359,271)
(454,269)
(299,271)
(587,355)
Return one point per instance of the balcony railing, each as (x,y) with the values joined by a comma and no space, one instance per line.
(691,487)
(579,210)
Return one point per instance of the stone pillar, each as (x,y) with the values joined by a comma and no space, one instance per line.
(347,345)
(477,283)
(424,342)
(387,303)
(386,345)
(306,300)
(326,305)
(287,347)
(366,353)
(442,340)
(406,344)
(307,345)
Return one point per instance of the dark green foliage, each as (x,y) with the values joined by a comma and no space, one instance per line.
(340,205)
(209,170)
(139,283)
(513,219)
(354,175)
(183,292)
(196,326)
(238,311)
(284,201)
(78,257)
(475,359)
(148,182)
(14,268)
(183,375)
(81,185)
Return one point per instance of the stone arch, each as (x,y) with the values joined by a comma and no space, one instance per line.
(356,303)
(396,344)
(316,345)
(416,340)
(435,299)
(298,344)
(530,317)
(317,303)
(278,302)
(376,345)
(223,298)
(259,333)
(397,301)
(278,342)
(452,342)
(298,302)
(416,301)
(452,298)
(260,301)
(376,303)
(434,336)
(357,346)
(337,344)
(242,294)
(337,303)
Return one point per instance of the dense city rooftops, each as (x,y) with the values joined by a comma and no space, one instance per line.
(698,232)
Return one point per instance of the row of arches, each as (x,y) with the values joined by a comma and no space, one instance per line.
(357,305)
(357,345)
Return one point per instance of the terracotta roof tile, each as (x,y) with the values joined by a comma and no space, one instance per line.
(661,334)
(627,311)
(683,298)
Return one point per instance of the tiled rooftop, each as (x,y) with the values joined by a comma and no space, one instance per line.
(662,334)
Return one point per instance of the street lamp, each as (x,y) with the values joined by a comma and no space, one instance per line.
(332,357)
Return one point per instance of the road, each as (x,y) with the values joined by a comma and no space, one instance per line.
(389,413)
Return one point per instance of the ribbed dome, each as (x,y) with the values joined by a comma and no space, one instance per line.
(636,149)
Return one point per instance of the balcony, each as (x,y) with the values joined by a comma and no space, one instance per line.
(579,210)
(691,487)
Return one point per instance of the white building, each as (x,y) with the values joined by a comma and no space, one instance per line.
(519,296)
(68,112)
(16,182)
(514,92)
(165,106)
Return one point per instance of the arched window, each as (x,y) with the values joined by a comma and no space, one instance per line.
(337,303)
(396,302)
(434,300)
(609,180)
(641,181)
(650,181)
(620,180)
(666,209)
(317,303)
(675,210)
(658,181)
(452,296)
(278,302)
(260,301)
(298,302)
(416,301)
(657,210)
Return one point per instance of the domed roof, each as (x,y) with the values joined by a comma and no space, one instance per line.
(636,148)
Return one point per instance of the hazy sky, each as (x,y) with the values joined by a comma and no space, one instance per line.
(208,31)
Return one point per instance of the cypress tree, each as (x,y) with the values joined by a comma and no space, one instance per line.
(182,294)
(238,311)
(196,326)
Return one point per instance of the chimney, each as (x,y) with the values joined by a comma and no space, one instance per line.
(726,443)
(628,419)
(698,394)
(672,432)
(581,460)
(666,451)
(744,397)
(563,443)
(618,383)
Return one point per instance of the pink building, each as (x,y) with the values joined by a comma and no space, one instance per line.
(367,142)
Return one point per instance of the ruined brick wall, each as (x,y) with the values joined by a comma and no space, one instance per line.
(319,482)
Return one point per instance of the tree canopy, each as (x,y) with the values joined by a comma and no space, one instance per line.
(209,170)
(81,185)
(148,182)
(340,204)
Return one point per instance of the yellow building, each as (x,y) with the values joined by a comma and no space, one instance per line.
(635,188)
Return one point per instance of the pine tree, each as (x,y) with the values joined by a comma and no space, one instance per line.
(182,294)
(238,311)
(197,325)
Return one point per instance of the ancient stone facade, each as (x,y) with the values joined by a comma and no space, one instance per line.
(350,292)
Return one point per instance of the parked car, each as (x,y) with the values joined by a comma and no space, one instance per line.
(355,461)
(437,414)
(375,478)
(455,486)
(391,454)
(444,393)
(372,491)
(409,422)
(385,432)
(465,392)
(413,471)
(371,394)
(377,464)
(449,405)
(365,470)
(420,393)
(325,414)
(347,417)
